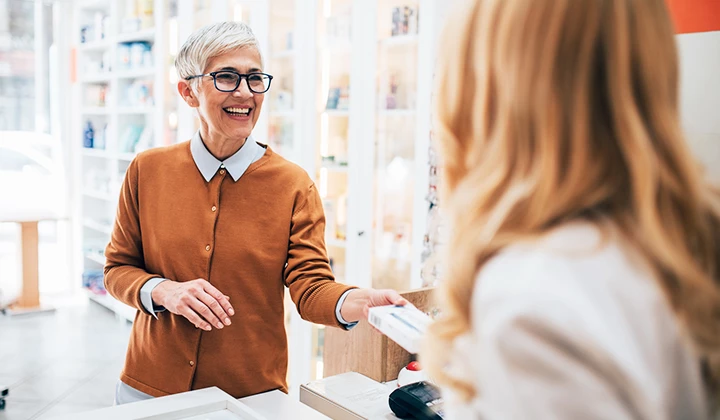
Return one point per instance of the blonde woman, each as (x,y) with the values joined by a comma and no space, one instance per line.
(582,269)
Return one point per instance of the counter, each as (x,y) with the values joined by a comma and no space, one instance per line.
(208,403)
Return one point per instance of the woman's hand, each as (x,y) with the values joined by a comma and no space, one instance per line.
(197,300)
(358,301)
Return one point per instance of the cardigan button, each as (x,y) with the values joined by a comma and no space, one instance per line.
(213,208)
(207,248)
(222,171)
(192,363)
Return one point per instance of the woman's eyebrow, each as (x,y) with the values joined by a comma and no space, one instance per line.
(252,70)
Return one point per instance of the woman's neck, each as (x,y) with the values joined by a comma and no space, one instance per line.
(219,146)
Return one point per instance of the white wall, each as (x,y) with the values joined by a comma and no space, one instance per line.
(699,56)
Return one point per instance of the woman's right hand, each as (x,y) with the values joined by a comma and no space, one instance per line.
(197,300)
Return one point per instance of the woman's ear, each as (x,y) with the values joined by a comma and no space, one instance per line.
(187,93)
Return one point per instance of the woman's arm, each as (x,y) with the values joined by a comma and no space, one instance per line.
(125,272)
(307,273)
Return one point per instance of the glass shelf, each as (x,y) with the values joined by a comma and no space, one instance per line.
(394,161)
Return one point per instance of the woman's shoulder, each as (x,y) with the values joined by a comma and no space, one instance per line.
(282,169)
(172,152)
(576,258)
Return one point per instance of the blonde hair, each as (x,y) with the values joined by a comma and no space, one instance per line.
(550,111)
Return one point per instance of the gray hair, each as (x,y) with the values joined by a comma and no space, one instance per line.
(211,41)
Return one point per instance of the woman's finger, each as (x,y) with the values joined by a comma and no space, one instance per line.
(200,308)
(222,299)
(215,306)
(193,317)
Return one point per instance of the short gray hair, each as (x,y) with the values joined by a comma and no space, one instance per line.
(211,41)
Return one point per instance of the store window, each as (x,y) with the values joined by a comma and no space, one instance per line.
(32,158)
(25,65)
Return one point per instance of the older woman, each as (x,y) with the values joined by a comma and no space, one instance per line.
(584,263)
(209,232)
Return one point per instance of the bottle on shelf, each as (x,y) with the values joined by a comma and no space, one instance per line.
(88,135)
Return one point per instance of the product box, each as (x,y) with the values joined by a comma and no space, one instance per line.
(348,396)
(405,325)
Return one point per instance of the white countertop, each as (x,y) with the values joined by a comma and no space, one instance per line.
(205,403)
(18,215)
(278,405)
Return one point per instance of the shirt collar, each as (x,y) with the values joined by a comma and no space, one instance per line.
(236,164)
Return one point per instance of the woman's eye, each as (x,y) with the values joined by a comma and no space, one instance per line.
(226,77)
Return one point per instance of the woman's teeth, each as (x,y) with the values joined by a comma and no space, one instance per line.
(237,111)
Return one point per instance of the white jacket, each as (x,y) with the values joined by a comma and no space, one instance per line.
(574,326)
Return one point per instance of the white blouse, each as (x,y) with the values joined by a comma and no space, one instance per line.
(574,326)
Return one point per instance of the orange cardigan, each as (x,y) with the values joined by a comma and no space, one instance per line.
(266,232)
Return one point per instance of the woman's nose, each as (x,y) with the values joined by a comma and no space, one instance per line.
(243,91)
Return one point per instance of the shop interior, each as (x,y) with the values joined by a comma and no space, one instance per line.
(86,85)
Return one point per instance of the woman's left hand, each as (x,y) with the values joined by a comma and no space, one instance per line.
(358,301)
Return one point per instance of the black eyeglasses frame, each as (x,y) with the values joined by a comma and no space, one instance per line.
(241,76)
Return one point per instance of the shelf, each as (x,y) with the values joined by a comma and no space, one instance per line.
(334,167)
(93,5)
(96,153)
(96,258)
(138,110)
(96,226)
(122,310)
(127,156)
(336,243)
(95,110)
(96,78)
(98,195)
(143,35)
(95,46)
(337,112)
(137,73)
(399,40)
(397,112)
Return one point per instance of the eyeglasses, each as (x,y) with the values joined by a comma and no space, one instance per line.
(228,80)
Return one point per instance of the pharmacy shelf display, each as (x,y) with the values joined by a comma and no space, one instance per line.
(371,139)
(120,47)
(372,136)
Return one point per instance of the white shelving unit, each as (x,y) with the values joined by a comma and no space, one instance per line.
(371,139)
(371,136)
(118,49)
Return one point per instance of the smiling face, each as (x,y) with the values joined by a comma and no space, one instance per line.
(226,116)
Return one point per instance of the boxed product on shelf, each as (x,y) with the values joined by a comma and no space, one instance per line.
(96,95)
(92,279)
(95,31)
(404,20)
(139,93)
(134,55)
(333,98)
(138,15)
(136,138)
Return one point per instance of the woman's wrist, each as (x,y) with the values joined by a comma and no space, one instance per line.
(354,304)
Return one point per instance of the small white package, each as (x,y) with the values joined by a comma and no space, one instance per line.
(405,325)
